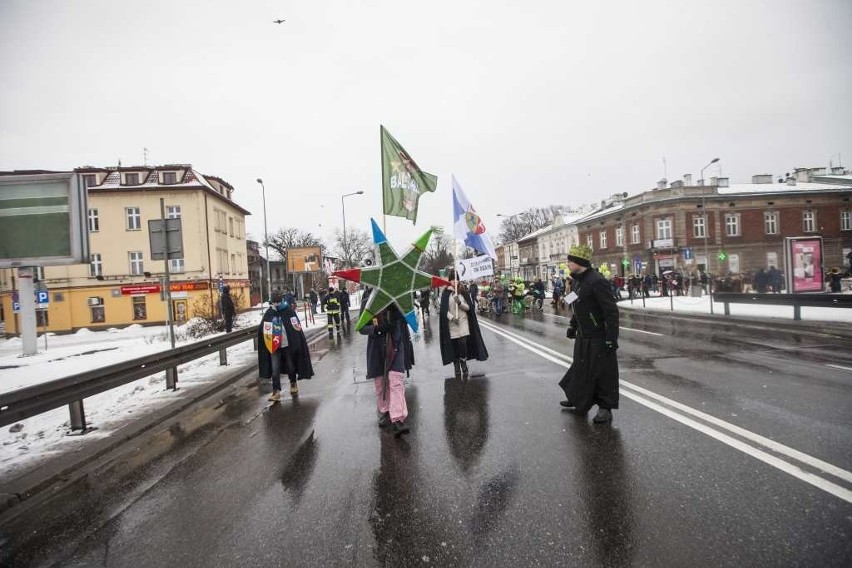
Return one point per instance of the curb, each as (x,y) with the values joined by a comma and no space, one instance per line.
(63,468)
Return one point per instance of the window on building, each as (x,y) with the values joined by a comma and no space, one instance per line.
(699,227)
(96,309)
(619,236)
(231,226)
(222,259)
(172,211)
(635,237)
(89,180)
(603,239)
(135,259)
(39,273)
(809,221)
(140,310)
(590,240)
(134,218)
(169,178)
(94,221)
(176,265)
(732,224)
(42,318)
(770,222)
(96,265)
(664,228)
(233,267)
(131,179)
(846,220)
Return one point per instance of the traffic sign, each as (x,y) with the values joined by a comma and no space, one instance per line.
(42,297)
(16,307)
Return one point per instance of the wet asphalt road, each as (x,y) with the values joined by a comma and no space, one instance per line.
(494,473)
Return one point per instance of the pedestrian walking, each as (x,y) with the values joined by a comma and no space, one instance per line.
(592,378)
(497,296)
(343,297)
(282,347)
(314,298)
(390,356)
(228,309)
(332,312)
(461,339)
(473,290)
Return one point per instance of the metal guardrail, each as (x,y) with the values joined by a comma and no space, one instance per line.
(37,399)
(797,301)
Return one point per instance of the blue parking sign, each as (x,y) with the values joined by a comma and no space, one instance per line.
(42,297)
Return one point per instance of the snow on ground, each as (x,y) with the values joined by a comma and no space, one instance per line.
(29,442)
(690,305)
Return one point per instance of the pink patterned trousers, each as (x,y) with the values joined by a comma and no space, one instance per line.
(395,401)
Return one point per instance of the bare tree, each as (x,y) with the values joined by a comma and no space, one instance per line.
(439,252)
(291,237)
(526,222)
(352,250)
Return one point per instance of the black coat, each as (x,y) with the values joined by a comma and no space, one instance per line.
(475,346)
(593,375)
(297,346)
(389,346)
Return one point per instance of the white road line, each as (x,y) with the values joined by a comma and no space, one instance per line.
(642,331)
(778,463)
(841,367)
(825,467)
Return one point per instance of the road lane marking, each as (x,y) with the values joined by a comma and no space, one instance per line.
(641,393)
(642,331)
(841,367)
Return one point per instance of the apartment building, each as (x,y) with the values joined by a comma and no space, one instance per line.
(122,285)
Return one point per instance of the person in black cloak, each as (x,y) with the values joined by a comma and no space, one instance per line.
(390,355)
(460,336)
(228,309)
(294,358)
(593,375)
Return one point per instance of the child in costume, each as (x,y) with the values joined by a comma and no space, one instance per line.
(282,348)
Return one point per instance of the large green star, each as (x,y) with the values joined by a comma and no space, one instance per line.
(394,279)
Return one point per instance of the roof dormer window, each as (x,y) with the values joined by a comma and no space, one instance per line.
(169,178)
(131,178)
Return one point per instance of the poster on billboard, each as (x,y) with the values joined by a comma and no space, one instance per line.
(804,264)
(305,259)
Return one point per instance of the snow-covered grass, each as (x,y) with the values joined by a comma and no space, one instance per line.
(28,443)
(690,305)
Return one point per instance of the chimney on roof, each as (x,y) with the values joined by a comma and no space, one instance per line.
(699,183)
(761,178)
(791,181)
(662,183)
(677,184)
(722,182)
(687,179)
(714,180)
(802,174)
(838,170)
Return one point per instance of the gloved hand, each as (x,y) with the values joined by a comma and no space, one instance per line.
(572,333)
(611,344)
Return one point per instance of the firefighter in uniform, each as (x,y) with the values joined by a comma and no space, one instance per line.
(332,312)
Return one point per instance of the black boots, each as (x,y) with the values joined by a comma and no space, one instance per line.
(603,416)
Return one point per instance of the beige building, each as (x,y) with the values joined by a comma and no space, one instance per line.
(122,285)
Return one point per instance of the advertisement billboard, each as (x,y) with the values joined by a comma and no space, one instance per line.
(804,264)
(305,259)
(43,220)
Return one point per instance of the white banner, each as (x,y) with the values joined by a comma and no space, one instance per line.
(476,267)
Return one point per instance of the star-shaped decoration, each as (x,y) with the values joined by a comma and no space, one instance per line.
(394,280)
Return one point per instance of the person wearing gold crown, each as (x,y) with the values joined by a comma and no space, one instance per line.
(592,378)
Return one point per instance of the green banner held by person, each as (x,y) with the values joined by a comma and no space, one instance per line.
(403,182)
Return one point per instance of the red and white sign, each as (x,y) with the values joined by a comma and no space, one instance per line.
(137,289)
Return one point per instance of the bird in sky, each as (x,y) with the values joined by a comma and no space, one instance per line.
(278,21)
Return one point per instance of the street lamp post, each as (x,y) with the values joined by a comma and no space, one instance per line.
(343,207)
(266,242)
(706,231)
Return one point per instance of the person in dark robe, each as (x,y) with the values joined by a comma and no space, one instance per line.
(592,378)
(390,355)
(228,309)
(294,358)
(461,338)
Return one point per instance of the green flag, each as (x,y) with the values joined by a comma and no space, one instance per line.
(402,180)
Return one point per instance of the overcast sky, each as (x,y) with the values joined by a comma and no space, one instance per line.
(527,103)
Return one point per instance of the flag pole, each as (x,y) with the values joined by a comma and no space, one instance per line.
(455,271)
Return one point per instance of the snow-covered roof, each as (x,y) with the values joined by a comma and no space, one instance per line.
(764,188)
